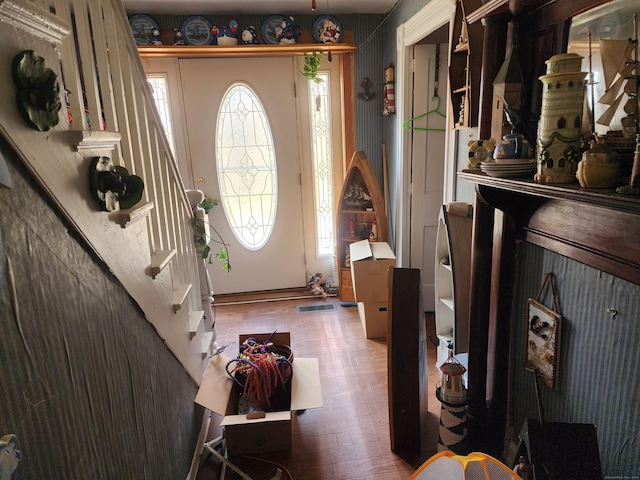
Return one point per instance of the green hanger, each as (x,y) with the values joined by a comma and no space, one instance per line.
(408,124)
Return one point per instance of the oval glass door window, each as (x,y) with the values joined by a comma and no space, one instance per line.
(246,166)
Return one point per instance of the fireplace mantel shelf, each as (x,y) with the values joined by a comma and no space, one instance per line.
(599,228)
(606,198)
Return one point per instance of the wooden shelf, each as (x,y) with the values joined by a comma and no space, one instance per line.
(464,67)
(453,240)
(306,45)
(361,176)
(448,302)
(461,89)
(599,228)
(605,198)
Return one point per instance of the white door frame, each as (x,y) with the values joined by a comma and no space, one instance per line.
(431,17)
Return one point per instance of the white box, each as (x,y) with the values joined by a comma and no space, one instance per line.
(272,433)
(375,318)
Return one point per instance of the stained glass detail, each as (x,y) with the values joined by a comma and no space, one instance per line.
(246,166)
(322,158)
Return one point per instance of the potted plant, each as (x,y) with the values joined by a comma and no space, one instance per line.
(311,65)
(201,240)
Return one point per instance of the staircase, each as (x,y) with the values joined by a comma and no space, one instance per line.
(149,247)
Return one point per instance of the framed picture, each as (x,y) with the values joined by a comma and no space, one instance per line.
(543,341)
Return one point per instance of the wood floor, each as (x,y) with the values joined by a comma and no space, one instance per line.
(348,438)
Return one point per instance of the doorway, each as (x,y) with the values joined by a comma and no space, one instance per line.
(419,250)
(427,162)
(195,89)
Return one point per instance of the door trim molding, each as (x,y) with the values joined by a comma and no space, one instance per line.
(427,20)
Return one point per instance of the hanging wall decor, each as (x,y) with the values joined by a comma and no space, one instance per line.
(543,335)
(38,95)
(389,100)
(112,186)
(366,94)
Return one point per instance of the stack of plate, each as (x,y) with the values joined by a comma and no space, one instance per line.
(509,168)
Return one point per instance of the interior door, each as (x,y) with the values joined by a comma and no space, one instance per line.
(427,162)
(280,262)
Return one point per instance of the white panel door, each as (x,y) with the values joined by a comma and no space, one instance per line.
(427,165)
(280,263)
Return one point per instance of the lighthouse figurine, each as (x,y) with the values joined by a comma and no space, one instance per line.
(453,417)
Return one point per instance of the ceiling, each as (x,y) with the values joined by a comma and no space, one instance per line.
(247,7)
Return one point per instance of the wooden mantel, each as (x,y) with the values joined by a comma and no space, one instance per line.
(595,227)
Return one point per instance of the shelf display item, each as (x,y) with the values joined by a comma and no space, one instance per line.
(225,35)
(287,32)
(507,93)
(510,168)
(249,35)
(599,167)
(143,28)
(560,119)
(196,30)
(269,29)
(178,39)
(513,146)
(480,151)
(373,235)
(327,29)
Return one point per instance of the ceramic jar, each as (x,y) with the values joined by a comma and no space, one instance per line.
(599,167)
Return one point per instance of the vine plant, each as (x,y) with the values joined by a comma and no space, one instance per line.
(311,65)
(200,238)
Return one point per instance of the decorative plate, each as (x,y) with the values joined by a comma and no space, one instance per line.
(269,28)
(196,30)
(142,27)
(327,29)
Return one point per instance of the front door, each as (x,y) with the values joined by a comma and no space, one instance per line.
(271,256)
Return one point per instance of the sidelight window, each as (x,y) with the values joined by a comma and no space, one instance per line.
(322,158)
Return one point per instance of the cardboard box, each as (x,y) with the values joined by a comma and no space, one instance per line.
(375,318)
(272,433)
(370,262)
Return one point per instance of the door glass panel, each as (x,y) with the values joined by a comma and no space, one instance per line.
(246,166)
(321,153)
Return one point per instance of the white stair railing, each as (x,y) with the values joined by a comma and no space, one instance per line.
(150,247)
